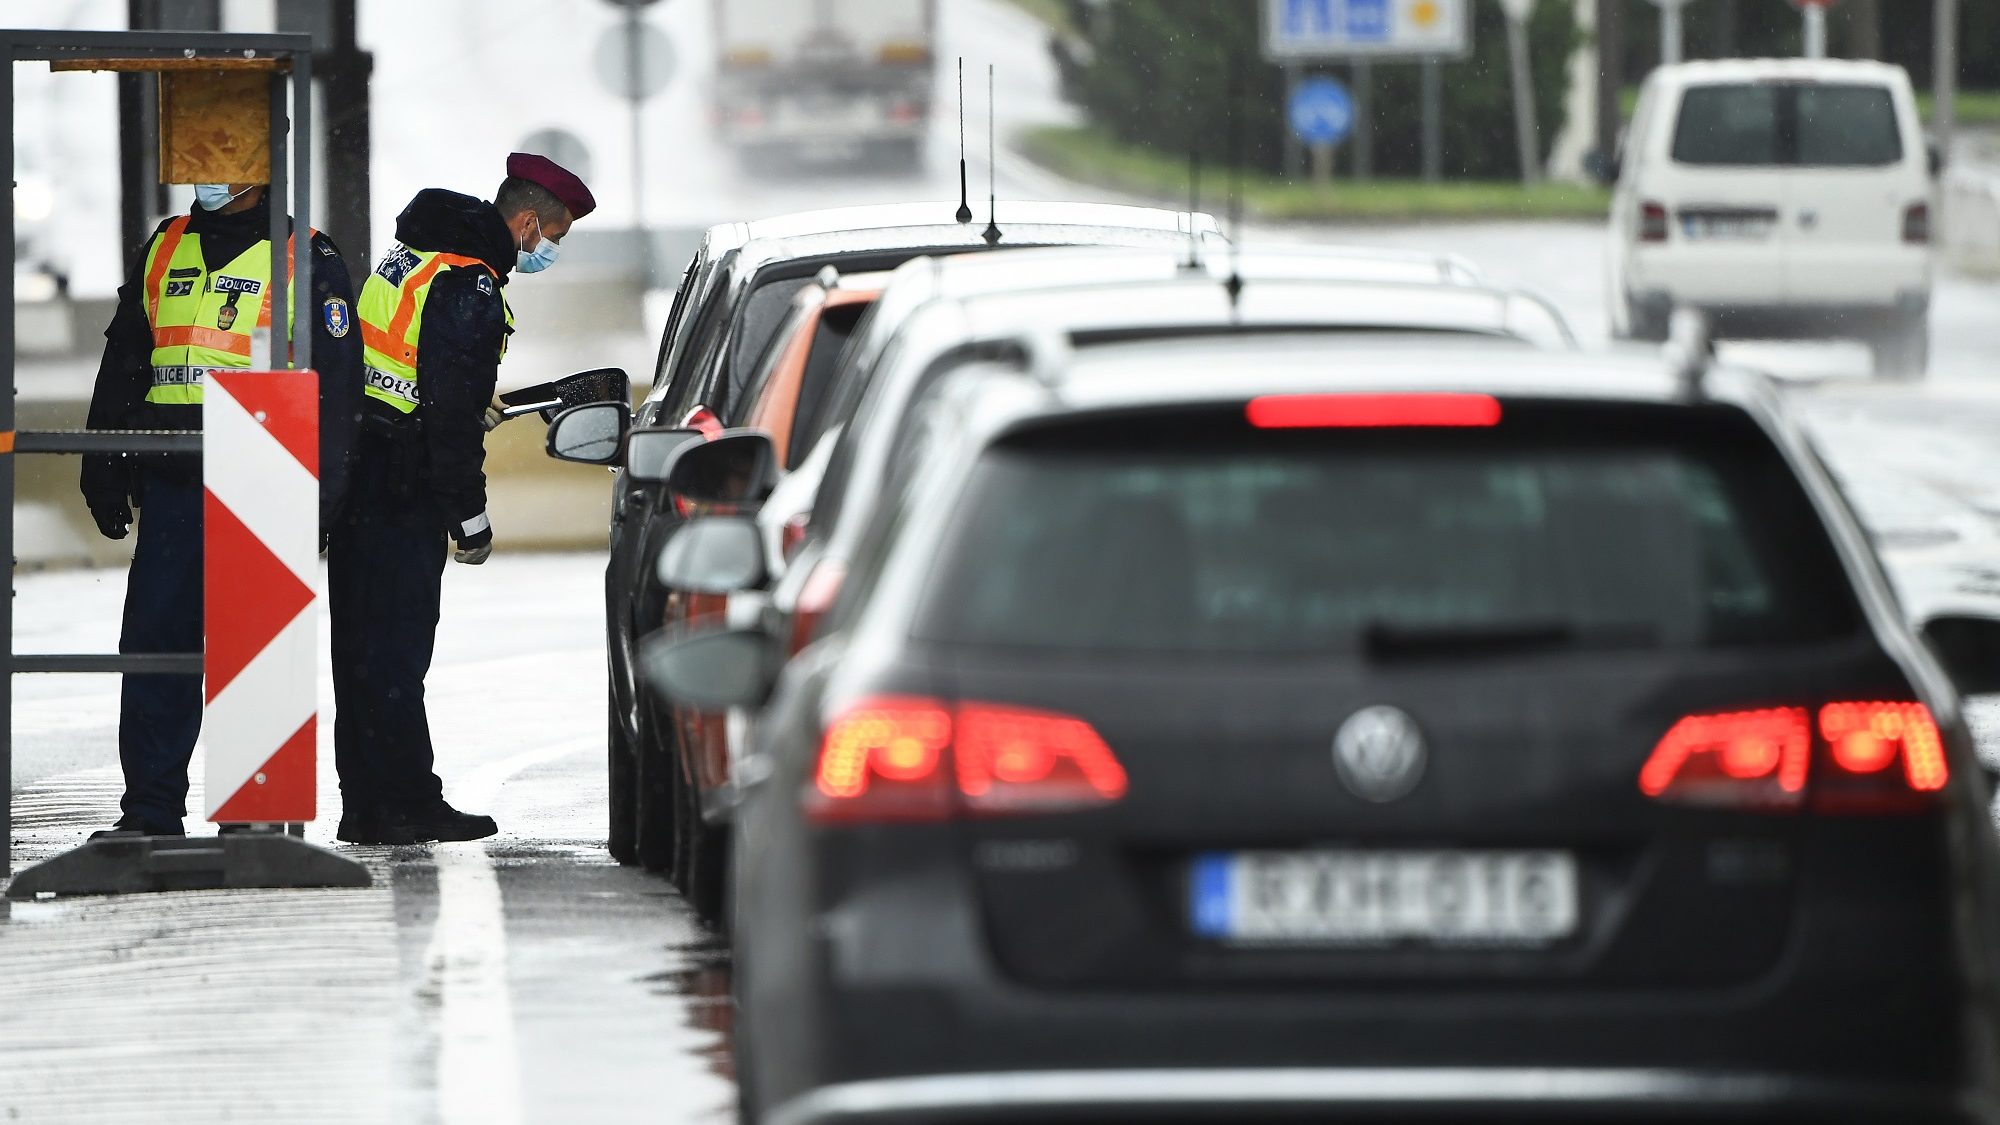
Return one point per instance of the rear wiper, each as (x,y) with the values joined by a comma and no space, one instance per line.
(1390,641)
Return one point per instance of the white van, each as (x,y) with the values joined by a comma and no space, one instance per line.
(1786,198)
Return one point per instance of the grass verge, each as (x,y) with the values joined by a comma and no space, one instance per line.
(1089,156)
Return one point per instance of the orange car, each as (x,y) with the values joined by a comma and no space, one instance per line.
(787,396)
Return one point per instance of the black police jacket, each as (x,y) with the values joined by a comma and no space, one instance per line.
(125,374)
(459,346)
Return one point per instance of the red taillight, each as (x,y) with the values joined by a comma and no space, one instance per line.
(1865,739)
(1652,222)
(1741,758)
(1288,412)
(1763,759)
(792,535)
(894,758)
(816,597)
(884,760)
(703,419)
(903,113)
(1015,760)
(1917,223)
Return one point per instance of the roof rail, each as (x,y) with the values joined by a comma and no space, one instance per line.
(1047,353)
(1690,349)
(1542,301)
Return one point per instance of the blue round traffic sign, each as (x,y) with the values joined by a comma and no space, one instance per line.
(1321,111)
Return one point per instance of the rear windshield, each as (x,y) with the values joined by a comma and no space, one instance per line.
(1612,527)
(836,328)
(1813,125)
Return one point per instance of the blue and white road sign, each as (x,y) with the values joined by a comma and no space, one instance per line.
(1321,112)
(1332,29)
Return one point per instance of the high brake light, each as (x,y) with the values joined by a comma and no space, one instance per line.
(1765,759)
(1298,412)
(907,758)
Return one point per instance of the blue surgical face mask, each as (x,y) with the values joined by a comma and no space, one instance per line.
(540,258)
(214,197)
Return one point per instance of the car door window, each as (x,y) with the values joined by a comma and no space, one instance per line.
(694,363)
(683,296)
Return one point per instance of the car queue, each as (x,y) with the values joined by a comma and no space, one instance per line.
(1108,671)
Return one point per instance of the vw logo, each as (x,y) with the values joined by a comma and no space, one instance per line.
(1379,753)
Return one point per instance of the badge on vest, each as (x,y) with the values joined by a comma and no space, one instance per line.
(485,284)
(180,288)
(226,284)
(337,321)
(225,317)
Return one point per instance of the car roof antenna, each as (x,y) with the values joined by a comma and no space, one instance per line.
(964,200)
(1234,285)
(992,235)
(1194,208)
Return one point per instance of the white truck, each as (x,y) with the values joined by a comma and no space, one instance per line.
(825,78)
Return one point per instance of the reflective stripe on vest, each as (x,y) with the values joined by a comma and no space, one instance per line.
(391,312)
(195,316)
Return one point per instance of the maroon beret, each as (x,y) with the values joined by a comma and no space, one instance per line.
(560,181)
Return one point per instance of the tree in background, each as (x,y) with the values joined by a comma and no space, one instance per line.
(1156,73)
(1898,31)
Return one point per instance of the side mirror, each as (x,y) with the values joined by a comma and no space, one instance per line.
(589,434)
(600,384)
(714,555)
(648,452)
(1969,649)
(713,671)
(734,467)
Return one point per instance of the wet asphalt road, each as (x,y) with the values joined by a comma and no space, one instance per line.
(528,979)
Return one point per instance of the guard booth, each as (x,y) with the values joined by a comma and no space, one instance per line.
(227,103)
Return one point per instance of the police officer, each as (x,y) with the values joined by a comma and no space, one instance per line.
(201,288)
(434,325)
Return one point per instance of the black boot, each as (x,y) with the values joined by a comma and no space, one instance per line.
(436,821)
(439,821)
(129,825)
(364,824)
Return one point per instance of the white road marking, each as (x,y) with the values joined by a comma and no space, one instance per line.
(479,1069)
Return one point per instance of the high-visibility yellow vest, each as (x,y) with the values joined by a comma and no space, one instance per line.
(197,317)
(392,319)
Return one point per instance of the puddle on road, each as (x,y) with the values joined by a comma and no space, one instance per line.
(703,989)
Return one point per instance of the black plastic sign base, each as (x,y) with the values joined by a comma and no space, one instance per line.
(123,865)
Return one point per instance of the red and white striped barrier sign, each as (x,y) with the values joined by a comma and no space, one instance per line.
(260,470)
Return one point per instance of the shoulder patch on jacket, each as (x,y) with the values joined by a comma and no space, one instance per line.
(485,284)
(337,320)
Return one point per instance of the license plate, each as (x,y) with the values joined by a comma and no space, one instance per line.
(1361,897)
(1721,227)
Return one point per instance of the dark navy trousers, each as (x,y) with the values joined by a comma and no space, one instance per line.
(159,716)
(385,574)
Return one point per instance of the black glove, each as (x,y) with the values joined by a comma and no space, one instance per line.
(475,540)
(107,490)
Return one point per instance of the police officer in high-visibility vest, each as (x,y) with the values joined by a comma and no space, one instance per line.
(199,291)
(434,324)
